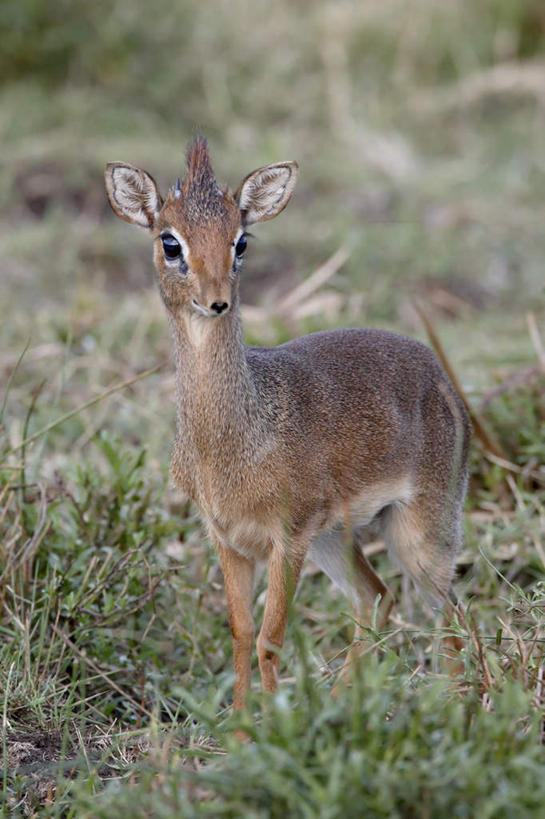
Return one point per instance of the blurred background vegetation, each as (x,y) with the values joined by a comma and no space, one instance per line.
(419,130)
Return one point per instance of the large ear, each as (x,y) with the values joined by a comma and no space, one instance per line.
(133,194)
(266,192)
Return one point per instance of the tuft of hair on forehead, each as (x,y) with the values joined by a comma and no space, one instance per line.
(201,195)
(199,166)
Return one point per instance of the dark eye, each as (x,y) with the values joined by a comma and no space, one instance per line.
(171,246)
(241,245)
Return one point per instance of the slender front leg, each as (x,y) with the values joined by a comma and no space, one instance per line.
(238,573)
(284,572)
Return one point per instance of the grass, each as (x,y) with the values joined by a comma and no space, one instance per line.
(422,180)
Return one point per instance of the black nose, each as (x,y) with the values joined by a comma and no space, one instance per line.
(219,306)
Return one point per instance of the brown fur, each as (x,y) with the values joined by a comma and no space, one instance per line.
(202,201)
(297,447)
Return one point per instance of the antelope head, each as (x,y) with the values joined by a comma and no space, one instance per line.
(199,229)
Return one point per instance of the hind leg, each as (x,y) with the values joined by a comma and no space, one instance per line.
(371,588)
(453,645)
(424,540)
(342,559)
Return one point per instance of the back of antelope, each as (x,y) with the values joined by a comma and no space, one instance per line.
(293,450)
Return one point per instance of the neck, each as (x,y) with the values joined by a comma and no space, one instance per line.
(216,399)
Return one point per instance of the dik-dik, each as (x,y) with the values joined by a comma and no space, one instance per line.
(291,450)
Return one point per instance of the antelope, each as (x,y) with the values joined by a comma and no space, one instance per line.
(292,450)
